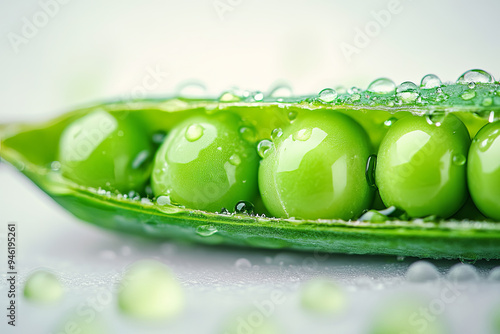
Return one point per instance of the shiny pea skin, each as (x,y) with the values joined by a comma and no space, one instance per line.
(483,170)
(206,164)
(421,166)
(102,150)
(316,168)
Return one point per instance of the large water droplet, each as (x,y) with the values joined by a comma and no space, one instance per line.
(163,200)
(382,86)
(281,91)
(327,95)
(43,287)
(475,76)
(206,230)
(192,89)
(194,132)
(244,207)
(459,159)
(422,271)
(322,296)
(263,148)
(468,95)
(149,291)
(234,160)
(407,92)
(302,134)
(370,170)
(430,81)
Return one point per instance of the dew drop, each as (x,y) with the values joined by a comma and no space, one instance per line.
(488,101)
(244,207)
(462,272)
(192,89)
(370,170)
(459,159)
(390,121)
(55,165)
(229,97)
(234,160)
(163,200)
(422,271)
(355,97)
(149,291)
(302,134)
(327,95)
(281,91)
(263,147)
(276,133)
(430,81)
(435,117)
(258,96)
(475,76)
(382,86)
(471,85)
(43,287)
(322,296)
(206,230)
(243,263)
(194,132)
(247,133)
(292,115)
(468,95)
(407,92)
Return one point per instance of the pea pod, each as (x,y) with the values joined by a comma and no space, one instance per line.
(474,99)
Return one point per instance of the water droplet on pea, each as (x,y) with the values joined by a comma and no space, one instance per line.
(475,76)
(467,95)
(302,134)
(276,133)
(194,132)
(263,148)
(327,95)
(244,207)
(430,81)
(206,230)
(292,115)
(407,92)
(234,160)
(459,159)
(382,86)
(247,133)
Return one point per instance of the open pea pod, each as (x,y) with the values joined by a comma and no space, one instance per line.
(32,149)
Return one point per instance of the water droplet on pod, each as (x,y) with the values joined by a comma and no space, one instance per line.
(407,92)
(206,230)
(244,207)
(476,76)
(422,271)
(430,81)
(258,96)
(163,200)
(462,272)
(382,86)
(327,95)
(468,95)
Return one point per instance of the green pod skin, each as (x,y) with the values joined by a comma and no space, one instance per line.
(316,169)
(483,170)
(206,164)
(421,166)
(101,150)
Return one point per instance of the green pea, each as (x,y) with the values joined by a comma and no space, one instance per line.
(421,166)
(483,170)
(205,163)
(316,168)
(102,150)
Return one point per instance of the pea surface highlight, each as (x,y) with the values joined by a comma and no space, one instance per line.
(101,150)
(316,168)
(206,164)
(421,166)
(483,170)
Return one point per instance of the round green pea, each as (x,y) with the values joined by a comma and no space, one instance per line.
(101,150)
(421,166)
(316,168)
(206,163)
(483,170)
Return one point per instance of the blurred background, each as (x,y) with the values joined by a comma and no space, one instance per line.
(59,54)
